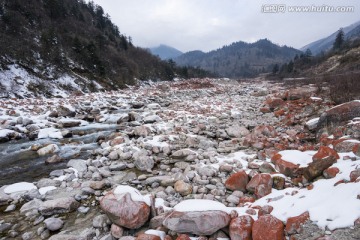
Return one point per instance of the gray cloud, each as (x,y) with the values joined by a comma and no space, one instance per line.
(210,24)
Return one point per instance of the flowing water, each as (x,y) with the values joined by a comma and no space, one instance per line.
(19,163)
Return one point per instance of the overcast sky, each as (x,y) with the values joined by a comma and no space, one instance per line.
(209,24)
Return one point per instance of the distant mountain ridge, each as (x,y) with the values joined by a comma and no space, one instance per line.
(165,52)
(239,59)
(325,44)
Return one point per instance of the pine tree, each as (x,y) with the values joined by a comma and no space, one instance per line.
(339,40)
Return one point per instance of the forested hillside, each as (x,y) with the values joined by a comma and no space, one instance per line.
(50,39)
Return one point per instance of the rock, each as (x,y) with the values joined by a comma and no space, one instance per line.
(28,236)
(207,171)
(266,168)
(101,221)
(123,118)
(293,224)
(346,146)
(183,153)
(278,182)
(144,162)
(145,236)
(49,149)
(31,206)
(331,172)
(68,123)
(260,185)
(183,237)
(45,182)
(287,168)
(54,159)
(274,103)
(4,198)
(57,206)
(241,227)
(267,209)
(323,159)
(237,131)
(123,211)
(54,224)
(142,131)
(66,111)
(116,231)
(237,181)
(354,175)
(198,223)
(66,237)
(152,119)
(183,188)
(268,227)
(79,164)
(333,117)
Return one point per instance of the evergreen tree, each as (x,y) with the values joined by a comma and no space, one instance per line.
(275,69)
(339,40)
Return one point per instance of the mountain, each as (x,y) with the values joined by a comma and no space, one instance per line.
(56,47)
(239,59)
(165,52)
(325,44)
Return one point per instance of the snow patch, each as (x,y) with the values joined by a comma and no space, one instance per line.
(19,187)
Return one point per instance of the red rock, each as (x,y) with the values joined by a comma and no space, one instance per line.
(168,237)
(237,181)
(251,211)
(267,131)
(287,168)
(280,112)
(323,159)
(117,141)
(241,227)
(183,237)
(268,227)
(356,150)
(267,209)
(354,175)
(125,212)
(293,224)
(246,199)
(265,110)
(260,184)
(330,172)
(275,103)
(145,236)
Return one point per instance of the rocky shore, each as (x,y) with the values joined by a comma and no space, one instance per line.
(194,159)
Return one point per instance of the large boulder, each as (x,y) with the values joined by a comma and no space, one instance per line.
(268,227)
(123,210)
(337,115)
(241,227)
(293,224)
(237,181)
(323,159)
(260,185)
(59,205)
(198,222)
